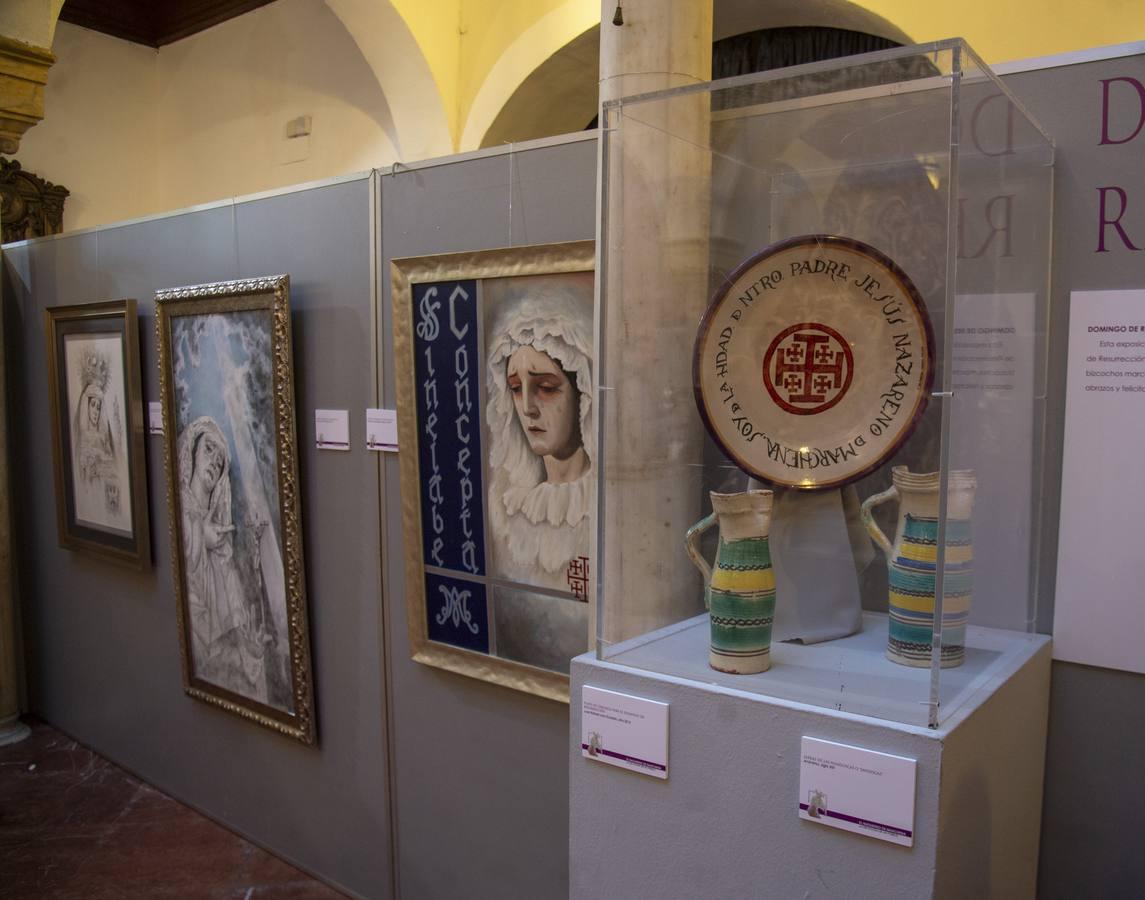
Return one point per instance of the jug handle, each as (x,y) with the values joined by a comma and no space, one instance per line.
(692,542)
(866,512)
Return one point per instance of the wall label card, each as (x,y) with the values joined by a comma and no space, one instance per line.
(332,429)
(1099,616)
(382,430)
(625,731)
(155,418)
(857,790)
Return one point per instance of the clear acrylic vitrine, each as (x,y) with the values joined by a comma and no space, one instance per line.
(881,224)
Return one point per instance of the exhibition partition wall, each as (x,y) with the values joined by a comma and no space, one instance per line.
(481,782)
(480,771)
(1093,103)
(101,641)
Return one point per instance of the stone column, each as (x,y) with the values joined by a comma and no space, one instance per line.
(24,64)
(23,74)
(655,281)
(11,728)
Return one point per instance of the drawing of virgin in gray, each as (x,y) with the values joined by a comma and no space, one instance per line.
(99,465)
(229,638)
(539,420)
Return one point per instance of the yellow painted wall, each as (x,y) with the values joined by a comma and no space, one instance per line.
(1004,30)
(436,26)
(462,40)
(132,131)
(491,26)
(204,118)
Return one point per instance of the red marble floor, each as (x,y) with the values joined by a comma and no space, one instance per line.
(72,825)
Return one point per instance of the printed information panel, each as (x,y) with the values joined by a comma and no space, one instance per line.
(625,731)
(992,433)
(1099,611)
(857,790)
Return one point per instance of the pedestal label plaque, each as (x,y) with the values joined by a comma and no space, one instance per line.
(857,790)
(625,731)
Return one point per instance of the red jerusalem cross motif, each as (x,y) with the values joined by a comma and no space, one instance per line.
(808,368)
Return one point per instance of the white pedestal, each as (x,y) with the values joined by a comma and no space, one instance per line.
(725,823)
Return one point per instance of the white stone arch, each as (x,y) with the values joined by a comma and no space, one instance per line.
(525,57)
(539,89)
(396,59)
(732,17)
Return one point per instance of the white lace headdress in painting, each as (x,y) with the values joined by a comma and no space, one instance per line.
(551,314)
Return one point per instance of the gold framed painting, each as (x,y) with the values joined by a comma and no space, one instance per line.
(494,372)
(97,431)
(227,388)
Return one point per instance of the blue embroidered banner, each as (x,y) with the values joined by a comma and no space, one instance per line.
(456,612)
(446,365)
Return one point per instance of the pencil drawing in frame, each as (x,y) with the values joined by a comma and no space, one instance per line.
(227,388)
(494,374)
(97,431)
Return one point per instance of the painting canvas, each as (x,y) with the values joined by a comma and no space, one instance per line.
(232,485)
(93,364)
(495,400)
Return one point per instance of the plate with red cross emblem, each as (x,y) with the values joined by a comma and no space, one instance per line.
(814,362)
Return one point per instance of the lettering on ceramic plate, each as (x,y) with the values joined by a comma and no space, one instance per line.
(809,366)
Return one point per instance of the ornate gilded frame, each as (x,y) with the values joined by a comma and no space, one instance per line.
(270,293)
(544,259)
(114,316)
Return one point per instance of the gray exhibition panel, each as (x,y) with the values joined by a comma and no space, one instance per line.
(480,771)
(1097,716)
(102,641)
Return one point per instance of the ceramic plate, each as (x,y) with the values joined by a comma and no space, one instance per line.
(813,362)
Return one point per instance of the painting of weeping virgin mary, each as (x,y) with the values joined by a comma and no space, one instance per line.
(101,487)
(496,419)
(539,419)
(227,387)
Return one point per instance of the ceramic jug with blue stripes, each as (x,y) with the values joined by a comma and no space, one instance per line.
(739,589)
(912,563)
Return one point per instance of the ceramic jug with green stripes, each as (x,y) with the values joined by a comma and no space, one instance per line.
(912,564)
(740,589)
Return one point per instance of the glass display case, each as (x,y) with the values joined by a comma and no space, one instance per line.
(821,381)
